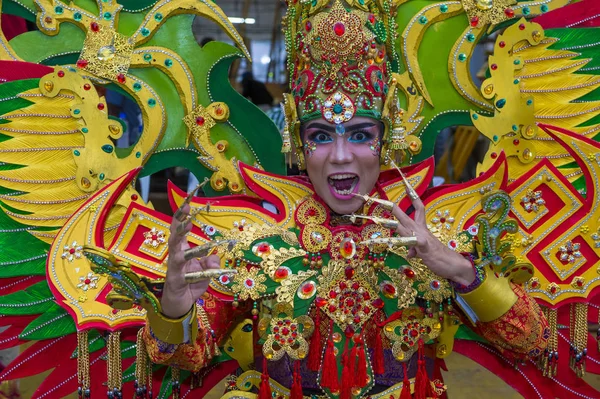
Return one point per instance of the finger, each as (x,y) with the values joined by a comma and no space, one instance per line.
(213,262)
(419,211)
(403,218)
(412,252)
(403,231)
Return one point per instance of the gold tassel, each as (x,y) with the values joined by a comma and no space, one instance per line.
(175,383)
(83,364)
(115,372)
(548,362)
(578,338)
(141,366)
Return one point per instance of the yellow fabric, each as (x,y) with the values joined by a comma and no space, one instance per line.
(491,299)
(175,331)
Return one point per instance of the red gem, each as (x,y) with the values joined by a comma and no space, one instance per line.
(291,340)
(494,155)
(280,323)
(307,289)
(372,18)
(281,273)
(100,106)
(349,272)
(332,294)
(219,111)
(522,26)
(263,247)
(367,310)
(285,331)
(199,121)
(115,311)
(95,27)
(350,302)
(366,296)
(553,289)
(516,141)
(435,284)
(339,28)
(494,67)
(509,12)
(343,285)
(249,282)
(87,281)
(154,237)
(348,247)
(414,333)
(474,21)
(294,334)
(81,63)
(356,319)
(378,303)
(48,20)
(405,339)
(389,289)
(121,78)
(294,327)
(308,26)
(579,283)
(355,286)
(61,74)
(134,197)
(72,250)
(311,212)
(332,308)
(87,86)
(501,44)
(408,272)
(443,220)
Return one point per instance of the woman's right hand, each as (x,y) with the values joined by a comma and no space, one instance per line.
(178,295)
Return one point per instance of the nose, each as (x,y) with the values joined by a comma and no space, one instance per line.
(341,152)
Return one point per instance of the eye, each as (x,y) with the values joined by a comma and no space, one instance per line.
(360,137)
(320,137)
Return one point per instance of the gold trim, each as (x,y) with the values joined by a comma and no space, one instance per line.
(174,331)
(493,298)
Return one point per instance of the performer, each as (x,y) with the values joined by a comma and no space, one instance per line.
(361,317)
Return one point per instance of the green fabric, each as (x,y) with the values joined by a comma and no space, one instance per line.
(33,300)
(53,323)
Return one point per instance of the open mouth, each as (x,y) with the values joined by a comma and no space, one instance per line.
(343,183)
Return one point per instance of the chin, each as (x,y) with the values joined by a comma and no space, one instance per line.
(344,207)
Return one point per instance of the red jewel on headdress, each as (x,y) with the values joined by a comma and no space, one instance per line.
(339,28)
(308,26)
(372,18)
(474,21)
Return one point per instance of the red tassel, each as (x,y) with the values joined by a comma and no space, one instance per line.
(352,361)
(329,376)
(378,365)
(361,368)
(296,390)
(264,391)
(315,350)
(405,393)
(346,392)
(421,380)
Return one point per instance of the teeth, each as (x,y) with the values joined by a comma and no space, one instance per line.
(342,177)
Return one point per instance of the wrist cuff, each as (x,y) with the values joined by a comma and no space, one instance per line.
(491,299)
(175,331)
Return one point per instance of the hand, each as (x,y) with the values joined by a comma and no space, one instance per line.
(179,296)
(435,255)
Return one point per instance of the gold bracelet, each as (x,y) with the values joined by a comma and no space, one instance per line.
(175,331)
(491,299)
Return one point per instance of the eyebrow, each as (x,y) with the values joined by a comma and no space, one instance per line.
(331,127)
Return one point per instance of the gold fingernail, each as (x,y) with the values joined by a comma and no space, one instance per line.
(412,194)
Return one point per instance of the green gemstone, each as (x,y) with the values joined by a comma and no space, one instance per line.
(76,111)
(107,16)
(152,102)
(76,153)
(515,128)
(471,37)
(526,11)
(77,16)
(443,8)
(138,154)
(137,86)
(313,3)
(58,9)
(529,102)
(84,130)
(101,176)
(361,2)
(107,148)
(462,57)
(145,31)
(501,103)
(168,62)
(475,116)
(423,20)
(158,16)
(495,138)
(516,62)
(337,108)
(544,8)
(516,81)
(148,57)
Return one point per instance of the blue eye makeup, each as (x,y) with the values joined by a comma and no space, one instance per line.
(320,137)
(360,137)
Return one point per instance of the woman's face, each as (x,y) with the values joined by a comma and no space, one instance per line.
(340,165)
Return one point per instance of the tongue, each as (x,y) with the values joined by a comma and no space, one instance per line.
(343,184)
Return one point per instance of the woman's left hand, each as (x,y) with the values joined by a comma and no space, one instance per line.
(435,255)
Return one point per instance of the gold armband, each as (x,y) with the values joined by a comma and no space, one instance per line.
(491,299)
(175,331)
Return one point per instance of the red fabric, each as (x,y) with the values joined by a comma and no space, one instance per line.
(315,349)
(329,378)
(16,70)
(573,15)
(378,365)
(12,26)
(264,391)
(347,373)
(361,369)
